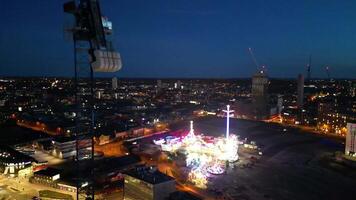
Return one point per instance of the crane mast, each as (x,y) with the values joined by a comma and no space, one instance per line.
(253,58)
(93,52)
(262,69)
(309,68)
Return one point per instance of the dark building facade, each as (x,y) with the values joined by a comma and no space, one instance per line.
(259,92)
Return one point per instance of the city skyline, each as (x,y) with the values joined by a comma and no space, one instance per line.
(192,39)
(144,129)
(177,100)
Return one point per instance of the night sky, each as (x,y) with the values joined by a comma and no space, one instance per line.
(189,38)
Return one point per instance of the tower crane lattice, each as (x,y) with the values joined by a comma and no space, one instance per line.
(262,68)
(93,52)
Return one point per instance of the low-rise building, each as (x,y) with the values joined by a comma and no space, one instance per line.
(147,183)
(48,177)
(15,163)
(64,147)
(49,174)
(67,186)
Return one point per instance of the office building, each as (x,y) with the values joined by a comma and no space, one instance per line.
(334,114)
(260,94)
(114,83)
(350,144)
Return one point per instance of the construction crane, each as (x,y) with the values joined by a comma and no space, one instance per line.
(253,57)
(309,68)
(93,52)
(261,68)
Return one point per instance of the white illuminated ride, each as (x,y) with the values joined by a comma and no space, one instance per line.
(204,155)
(216,169)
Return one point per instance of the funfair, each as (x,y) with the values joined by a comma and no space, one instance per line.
(204,155)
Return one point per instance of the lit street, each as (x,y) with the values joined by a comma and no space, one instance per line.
(20,188)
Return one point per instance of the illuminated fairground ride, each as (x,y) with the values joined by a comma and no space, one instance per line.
(204,155)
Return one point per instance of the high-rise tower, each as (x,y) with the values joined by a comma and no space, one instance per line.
(300,89)
(260,94)
(114,83)
(350,145)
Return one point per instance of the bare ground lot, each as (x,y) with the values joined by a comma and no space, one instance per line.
(292,166)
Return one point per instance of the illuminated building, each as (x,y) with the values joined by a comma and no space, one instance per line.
(159,84)
(15,163)
(114,83)
(64,147)
(178,85)
(290,115)
(147,183)
(350,145)
(353,89)
(352,108)
(66,186)
(333,116)
(259,94)
(51,177)
(48,175)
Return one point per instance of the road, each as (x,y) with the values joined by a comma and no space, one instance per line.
(310,129)
(37,127)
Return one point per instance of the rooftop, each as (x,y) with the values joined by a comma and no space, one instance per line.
(10,155)
(114,164)
(149,174)
(48,172)
(63,139)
